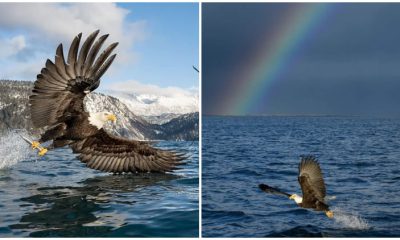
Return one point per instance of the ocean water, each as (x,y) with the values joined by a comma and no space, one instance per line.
(359,157)
(58,196)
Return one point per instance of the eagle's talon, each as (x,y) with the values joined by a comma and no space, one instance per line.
(35,144)
(329,214)
(42,152)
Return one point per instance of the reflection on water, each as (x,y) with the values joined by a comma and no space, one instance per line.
(75,207)
(62,200)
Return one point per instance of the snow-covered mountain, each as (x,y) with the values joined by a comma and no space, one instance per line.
(180,127)
(151,100)
(128,124)
(161,119)
(14,111)
(13,104)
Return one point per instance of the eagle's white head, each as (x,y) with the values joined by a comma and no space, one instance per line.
(98,119)
(296,198)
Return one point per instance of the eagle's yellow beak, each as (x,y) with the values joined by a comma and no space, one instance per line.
(292,196)
(112,117)
(329,214)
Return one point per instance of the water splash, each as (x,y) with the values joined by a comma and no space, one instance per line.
(13,149)
(330,198)
(348,220)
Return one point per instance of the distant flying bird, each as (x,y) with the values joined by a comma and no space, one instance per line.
(312,185)
(56,104)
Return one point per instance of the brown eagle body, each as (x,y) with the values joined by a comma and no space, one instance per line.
(56,104)
(312,186)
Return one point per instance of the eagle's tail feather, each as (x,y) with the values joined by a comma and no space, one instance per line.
(272,190)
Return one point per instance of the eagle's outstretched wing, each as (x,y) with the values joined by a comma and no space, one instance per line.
(61,86)
(115,154)
(311,180)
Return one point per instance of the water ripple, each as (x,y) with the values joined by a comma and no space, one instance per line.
(359,158)
(59,197)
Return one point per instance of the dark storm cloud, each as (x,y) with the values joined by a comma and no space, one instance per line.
(349,64)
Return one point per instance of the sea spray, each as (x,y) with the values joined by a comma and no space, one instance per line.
(13,149)
(330,198)
(350,220)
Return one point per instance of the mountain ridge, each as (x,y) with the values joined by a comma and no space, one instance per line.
(149,104)
(14,112)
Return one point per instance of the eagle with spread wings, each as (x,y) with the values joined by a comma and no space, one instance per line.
(57,105)
(312,186)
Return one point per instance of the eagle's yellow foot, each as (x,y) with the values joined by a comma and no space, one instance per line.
(42,152)
(35,144)
(329,214)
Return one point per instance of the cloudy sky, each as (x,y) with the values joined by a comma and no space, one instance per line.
(158,41)
(346,62)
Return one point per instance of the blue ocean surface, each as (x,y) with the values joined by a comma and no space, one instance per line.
(359,157)
(57,196)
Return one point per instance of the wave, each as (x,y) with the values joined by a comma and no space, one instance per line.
(13,149)
(299,231)
(246,172)
(219,213)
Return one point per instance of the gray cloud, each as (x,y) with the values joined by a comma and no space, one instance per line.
(349,64)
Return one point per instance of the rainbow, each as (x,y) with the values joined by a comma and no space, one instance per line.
(270,62)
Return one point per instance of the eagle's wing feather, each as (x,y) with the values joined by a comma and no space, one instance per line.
(61,86)
(311,180)
(115,154)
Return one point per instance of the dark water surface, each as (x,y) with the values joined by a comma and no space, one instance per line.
(360,159)
(60,197)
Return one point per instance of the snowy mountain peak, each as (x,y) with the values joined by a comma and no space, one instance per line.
(151,100)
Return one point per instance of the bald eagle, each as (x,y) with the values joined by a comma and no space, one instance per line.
(56,104)
(312,185)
